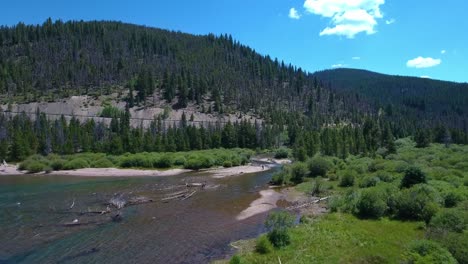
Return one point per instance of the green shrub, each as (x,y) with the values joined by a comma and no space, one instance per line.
(369,181)
(298,172)
(227,164)
(371,204)
(281,153)
(419,202)
(235,260)
(426,251)
(281,178)
(74,164)
(57,164)
(278,223)
(140,160)
(347,179)
(179,160)
(451,198)
(164,161)
(34,166)
(449,220)
(413,175)
(457,245)
(263,245)
(102,163)
(198,162)
(318,166)
(385,177)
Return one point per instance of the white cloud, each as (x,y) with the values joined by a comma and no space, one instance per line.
(339,65)
(443,51)
(356,58)
(426,77)
(293,13)
(348,17)
(421,62)
(390,21)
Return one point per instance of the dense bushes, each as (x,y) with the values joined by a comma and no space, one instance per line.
(263,245)
(298,172)
(371,204)
(413,175)
(75,164)
(278,223)
(426,251)
(347,179)
(281,153)
(196,162)
(318,166)
(193,160)
(419,202)
(102,163)
(449,220)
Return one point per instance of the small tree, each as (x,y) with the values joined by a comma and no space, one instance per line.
(278,224)
(413,175)
(422,139)
(318,166)
(298,172)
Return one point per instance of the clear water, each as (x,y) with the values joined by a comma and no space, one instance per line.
(35,209)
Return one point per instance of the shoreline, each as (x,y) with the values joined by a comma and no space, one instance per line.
(220,172)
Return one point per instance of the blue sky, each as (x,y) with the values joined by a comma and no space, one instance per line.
(412,37)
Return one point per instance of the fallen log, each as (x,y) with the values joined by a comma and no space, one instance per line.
(306,204)
(188,196)
(195,184)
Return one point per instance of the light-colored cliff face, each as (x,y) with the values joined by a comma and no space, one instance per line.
(87,107)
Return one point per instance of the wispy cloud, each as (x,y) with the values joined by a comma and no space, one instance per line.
(293,13)
(339,65)
(356,58)
(348,18)
(421,62)
(443,51)
(390,21)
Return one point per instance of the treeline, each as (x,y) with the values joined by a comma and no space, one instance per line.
(21,136)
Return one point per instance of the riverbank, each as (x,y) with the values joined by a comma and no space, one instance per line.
(219,172)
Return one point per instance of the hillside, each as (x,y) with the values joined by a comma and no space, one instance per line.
(149,67)
(125,78)
(423,99)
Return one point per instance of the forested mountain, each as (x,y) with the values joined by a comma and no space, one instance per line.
(337,112)
(87,57)
(422,100)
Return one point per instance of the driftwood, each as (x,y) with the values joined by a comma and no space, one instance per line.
(195,184)
(306,204)
(139,200)
(188,196)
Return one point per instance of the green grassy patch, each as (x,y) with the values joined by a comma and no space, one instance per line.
(343,238)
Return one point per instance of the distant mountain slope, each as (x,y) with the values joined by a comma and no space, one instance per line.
(391,89)
(155,68)
(432,100)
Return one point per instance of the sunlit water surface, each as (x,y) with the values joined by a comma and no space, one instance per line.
(34,211)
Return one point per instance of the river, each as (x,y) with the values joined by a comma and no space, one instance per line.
(35,209)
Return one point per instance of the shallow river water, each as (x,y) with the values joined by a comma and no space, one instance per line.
(34,211)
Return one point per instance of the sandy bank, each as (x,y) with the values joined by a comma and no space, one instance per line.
(117,172)
(114,172)
(265,203)
(225,172)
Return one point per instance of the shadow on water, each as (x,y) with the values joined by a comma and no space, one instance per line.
(192,230)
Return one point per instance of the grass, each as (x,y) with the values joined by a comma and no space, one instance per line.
(374,217)
(343,238)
